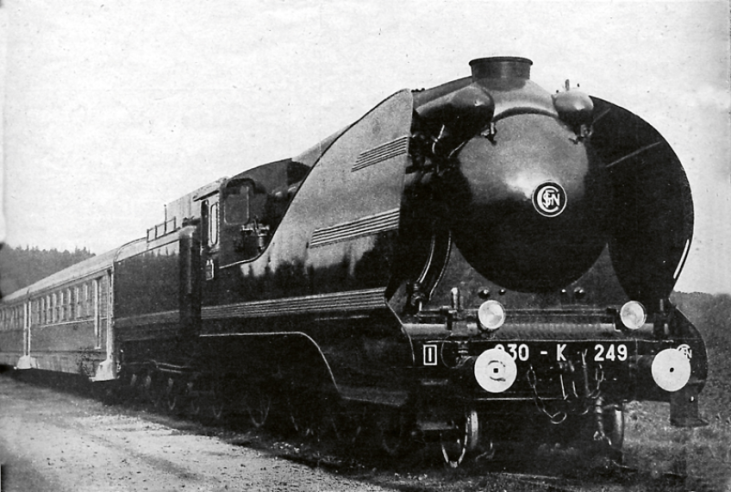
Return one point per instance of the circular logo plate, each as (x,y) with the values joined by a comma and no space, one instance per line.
(549,199)
(495,370)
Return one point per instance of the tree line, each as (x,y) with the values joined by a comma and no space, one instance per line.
(22,266)
(710,313)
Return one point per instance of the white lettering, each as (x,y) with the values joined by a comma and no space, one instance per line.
(559,351)
(430,355)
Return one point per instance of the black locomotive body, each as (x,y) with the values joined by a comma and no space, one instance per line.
(459,255)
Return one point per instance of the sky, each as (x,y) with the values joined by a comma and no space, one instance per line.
(113,108)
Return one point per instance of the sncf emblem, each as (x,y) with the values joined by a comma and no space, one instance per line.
(549,199)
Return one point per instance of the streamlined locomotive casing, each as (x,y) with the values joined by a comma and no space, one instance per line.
(369,256)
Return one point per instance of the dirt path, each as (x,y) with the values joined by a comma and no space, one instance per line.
(60,441)
(52,441)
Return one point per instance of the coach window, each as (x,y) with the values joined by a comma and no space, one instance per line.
(209,216)
(94,307)
(213,225)
(85,296)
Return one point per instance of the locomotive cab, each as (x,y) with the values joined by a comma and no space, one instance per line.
(253,204)
(245,233)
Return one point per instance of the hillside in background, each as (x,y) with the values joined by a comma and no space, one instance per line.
(20,267)
(710,313)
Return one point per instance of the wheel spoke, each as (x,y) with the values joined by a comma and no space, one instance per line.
(394,428)
(346,427)
(217,405)
(462,439)
(171,395)
(300,415)
(258,403)
(194,400)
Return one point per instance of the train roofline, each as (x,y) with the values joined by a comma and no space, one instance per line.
(74,272)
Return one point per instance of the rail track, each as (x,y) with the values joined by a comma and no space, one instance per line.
(319,444)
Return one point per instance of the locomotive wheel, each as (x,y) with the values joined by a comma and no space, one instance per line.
(149,390)
(614,426)
(194,400)
(217,405)
(257,403)
(464,438)
(133,380)
(346,426)
(581,432)
(394,431)
(301,415)
(217,408)
(613,420)
(129,389)
(172,396)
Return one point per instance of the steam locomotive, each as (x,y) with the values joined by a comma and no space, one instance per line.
(460,261)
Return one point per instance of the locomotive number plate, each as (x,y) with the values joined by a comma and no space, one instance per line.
(601,352)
